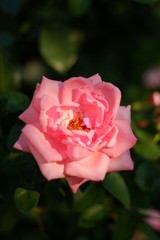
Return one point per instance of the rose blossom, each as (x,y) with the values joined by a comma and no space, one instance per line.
(153,219)
(77,130)
(155,99)
(151,77)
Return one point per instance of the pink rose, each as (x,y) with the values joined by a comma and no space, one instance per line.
(151,77)
(77,130)
(153,219)
(155,99)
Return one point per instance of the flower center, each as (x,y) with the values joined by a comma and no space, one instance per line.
(77,123)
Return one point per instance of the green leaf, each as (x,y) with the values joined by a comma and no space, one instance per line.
(59,47)
(84,200)
(25,199)
(92,216)
(124,227)
(147,149)
(146,176)
(115,184)
(14,135)
(142,134)
(79,7)
(14,101)
(6,69)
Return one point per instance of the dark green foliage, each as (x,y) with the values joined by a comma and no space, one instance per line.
(115,184)
(25,200)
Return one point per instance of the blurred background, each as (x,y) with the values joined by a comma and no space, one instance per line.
(59,39)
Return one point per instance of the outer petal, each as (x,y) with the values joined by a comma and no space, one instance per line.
(52,170)
(75,182)
(93,167)
(46,104)
(48,87)
(21,144)
(49,149)
(125,139)
(77,152)
(110,139)
(123,162)
(31,115)
(112,95)
(124,113)
(95,79)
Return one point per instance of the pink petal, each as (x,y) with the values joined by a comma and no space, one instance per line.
(82,137)
(50,88)
(106,137)
(124,113)
(93,167)
(112,95)
(21,144)
(75,182)
(31,115)
(111,137)
(95,79)
(153,213)
(123,162)
(48,148)
(51,170)
(92,109)
(47,102)
(154,223)
(69,88)
(79,92)
(87,122)
(125,139)
(77,152)
(46,106)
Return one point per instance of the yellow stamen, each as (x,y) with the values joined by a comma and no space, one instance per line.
(77,124)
